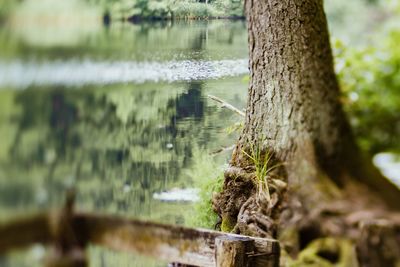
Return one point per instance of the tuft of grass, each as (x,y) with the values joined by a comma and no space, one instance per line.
(263,164)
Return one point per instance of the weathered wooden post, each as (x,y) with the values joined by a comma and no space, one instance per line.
(379,243)
(233,251)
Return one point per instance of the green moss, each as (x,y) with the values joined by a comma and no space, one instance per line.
(325,252)
(227,224)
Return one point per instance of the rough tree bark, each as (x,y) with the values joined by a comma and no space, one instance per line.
(324,186)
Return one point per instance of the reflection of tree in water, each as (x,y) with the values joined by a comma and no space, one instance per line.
(62,117)
(82,138)
(199,42)
(190,103)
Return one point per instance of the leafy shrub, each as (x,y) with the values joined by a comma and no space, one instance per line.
(370,81)
(208,177)
(229,7)
(5,7)
(182,9)
(158,9)
(185,9)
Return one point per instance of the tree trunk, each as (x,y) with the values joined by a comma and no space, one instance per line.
(319,183)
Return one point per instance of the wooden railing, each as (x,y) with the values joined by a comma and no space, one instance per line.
(68,233)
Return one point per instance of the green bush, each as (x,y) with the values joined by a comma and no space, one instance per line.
(208,177)
(229,7)
(370,81)
(5,7)
(182,9)
(186,9)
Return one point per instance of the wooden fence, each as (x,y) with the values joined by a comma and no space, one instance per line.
(68,233)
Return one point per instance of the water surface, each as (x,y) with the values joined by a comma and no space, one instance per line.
(121,114)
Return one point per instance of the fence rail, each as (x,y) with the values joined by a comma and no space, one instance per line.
(69,233)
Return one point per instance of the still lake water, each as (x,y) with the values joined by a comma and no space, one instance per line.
(120,113)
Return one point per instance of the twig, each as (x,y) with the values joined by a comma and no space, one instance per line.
(226,105)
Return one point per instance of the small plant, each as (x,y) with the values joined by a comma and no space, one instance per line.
(263,166)
(236,127)
(208,176)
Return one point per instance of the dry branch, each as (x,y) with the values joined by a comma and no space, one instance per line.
(226,105)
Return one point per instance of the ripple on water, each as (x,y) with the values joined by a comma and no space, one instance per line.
(20,74)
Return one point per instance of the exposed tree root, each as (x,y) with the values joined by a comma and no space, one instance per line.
(324,252)
(245,208)
(343,232)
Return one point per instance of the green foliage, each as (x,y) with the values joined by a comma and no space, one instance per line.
(183,9)
(230,7)
(156,9)
(5,7)
(370,81)
(207,176)
(262,165)
(187,9)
